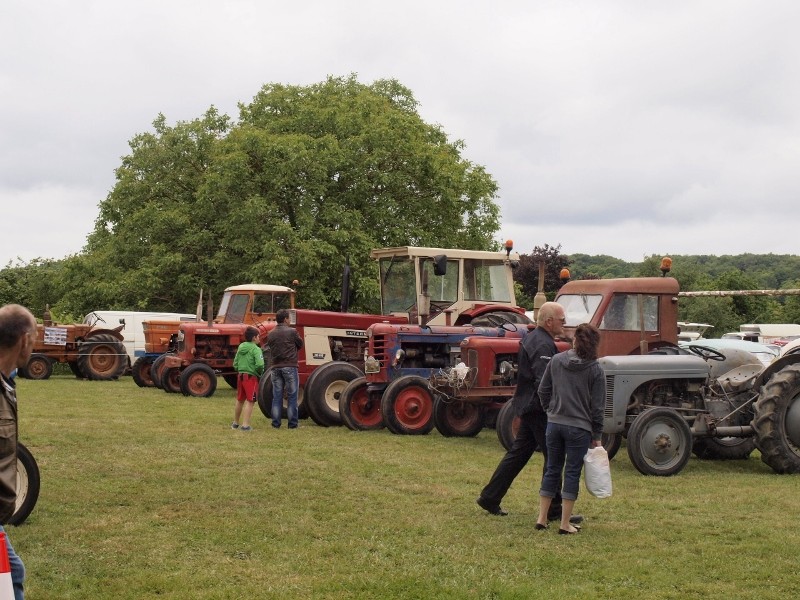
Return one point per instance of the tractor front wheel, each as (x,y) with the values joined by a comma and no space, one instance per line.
(360,410)
(140,371)
(407,406)
(659,442)
(38,367)
(171,380)
(454,418)
(507,425)
(198,380)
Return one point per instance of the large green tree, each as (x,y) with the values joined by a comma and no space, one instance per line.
(308,178)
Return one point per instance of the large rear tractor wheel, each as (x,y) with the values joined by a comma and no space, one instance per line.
(102,357)
(324,388)
(198,380)
(360,410)
(38,367)
(171,380)
(407,406)
(454,418)
(507,425)
(264,399)
(28,483)
(140,371)
(725,448)
(659,442)
(777,420)
(156,370)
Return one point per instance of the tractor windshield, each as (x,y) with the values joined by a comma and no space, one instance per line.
(398,285)
(579,308)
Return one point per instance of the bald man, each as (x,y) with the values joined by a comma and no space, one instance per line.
(535,351)
(17,337)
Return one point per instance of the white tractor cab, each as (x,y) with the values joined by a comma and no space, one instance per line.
(434,286)
(132,330)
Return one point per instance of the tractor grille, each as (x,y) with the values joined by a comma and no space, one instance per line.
(377,346)
(609,408)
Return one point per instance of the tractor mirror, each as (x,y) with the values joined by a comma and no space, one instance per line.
(440,265)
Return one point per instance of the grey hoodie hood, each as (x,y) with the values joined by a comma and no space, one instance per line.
(575,363)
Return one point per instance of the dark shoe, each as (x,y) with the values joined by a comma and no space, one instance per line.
(567,531)
(539,527)
(574,519)
(492,509)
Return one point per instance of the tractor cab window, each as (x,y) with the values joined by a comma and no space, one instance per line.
(442,288)
(280,301)
(623,313)
(262,303)
(579,308)
(398,285)
(237,308)
(485,280)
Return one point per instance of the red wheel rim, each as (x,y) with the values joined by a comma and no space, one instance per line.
(413,407)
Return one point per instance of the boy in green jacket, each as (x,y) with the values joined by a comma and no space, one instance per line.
(249,364)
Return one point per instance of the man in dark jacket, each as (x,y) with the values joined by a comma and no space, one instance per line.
(536,350)
(283,343)
(17,337)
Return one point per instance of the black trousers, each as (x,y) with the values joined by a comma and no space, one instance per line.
(531,435)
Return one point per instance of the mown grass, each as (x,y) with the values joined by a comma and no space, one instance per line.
(150,495)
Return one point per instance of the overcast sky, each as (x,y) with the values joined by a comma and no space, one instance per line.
(626,128)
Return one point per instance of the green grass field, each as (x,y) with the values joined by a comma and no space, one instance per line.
(151,495)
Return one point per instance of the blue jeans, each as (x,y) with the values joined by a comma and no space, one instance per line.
(284,377)
(566,447)
(17,569)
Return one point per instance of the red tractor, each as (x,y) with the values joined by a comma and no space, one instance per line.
(204,350)
(635,316)
(91,350)
(448,295)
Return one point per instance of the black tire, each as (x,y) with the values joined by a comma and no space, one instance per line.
(612,443)
(360,410)
(231,379)
(76,370)
(198,380)
(264,399)
(726,448)
(38,367)
(102,357)
(777,420)
(28,484)
(156,370)
(324,388)
(659,442)
(507,425)
(454,418)
(140,371)
(407,406)
(171,380)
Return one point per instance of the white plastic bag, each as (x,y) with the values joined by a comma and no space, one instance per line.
(597,472)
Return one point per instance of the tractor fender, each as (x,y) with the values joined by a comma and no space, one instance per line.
(112,332)
(774,366)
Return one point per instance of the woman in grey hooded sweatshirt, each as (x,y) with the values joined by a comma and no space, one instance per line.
(572,393)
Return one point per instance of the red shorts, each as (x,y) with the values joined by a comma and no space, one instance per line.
(246,386)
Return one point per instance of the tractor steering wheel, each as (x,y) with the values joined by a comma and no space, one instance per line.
(707,353)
